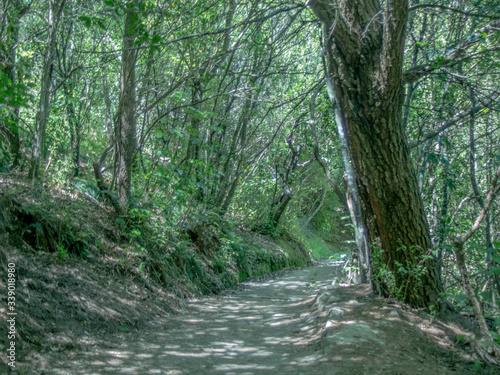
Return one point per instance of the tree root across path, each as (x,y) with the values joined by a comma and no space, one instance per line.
(297,323)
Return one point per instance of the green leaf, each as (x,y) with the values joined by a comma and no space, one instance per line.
(6,80)
(87,21)
(159,133)
(495,270)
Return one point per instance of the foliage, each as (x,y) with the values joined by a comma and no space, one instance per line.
(223,95)
(408,277)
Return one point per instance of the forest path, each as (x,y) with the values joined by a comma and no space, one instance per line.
(296,323)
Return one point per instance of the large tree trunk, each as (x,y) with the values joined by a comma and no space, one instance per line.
(364,45)
(126,126)
(42,116)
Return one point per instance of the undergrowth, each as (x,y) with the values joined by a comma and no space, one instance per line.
(205,254)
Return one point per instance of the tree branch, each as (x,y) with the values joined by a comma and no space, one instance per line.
(460,115)
(451,56)
(487,203)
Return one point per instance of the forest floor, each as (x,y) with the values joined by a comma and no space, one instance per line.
(292,322)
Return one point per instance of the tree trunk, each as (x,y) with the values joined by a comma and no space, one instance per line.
(364,45)
(42,116)
(278,207)
(352,194)
(110,128)
(316,210)
(126,126)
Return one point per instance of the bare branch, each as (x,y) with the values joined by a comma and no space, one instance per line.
(452,55)
(455,10)
(460,115)
(487,203)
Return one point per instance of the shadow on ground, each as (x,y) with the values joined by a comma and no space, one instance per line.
(295,324)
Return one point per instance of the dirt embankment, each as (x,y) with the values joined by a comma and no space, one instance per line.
(85,276)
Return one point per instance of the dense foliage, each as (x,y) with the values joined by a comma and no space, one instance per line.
(196,109)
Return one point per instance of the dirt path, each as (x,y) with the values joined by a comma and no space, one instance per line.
(297,323)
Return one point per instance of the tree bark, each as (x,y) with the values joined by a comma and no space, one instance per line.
(126,124)
(364,44)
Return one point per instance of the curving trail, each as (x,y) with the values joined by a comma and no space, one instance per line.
(297,323)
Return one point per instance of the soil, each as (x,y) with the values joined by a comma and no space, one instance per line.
(294,322)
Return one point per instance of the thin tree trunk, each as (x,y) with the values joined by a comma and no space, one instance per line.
(443,212)
(353,200)
(126,126)
(316,210)
(278,207)
(340,194)
(109,118)
(241,135)
(490,263)
(223,200)
(74,126)
(42,116)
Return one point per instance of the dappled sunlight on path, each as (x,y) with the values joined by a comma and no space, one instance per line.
(295,324)
(258,329)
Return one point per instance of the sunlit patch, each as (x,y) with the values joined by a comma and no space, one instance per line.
(117,354)
(144,355)
(229,367)
(185,354)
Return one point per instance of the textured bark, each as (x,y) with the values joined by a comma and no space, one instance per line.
(42,116)
(364,45)
(126,126)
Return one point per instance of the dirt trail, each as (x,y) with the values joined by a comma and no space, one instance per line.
(297,323)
